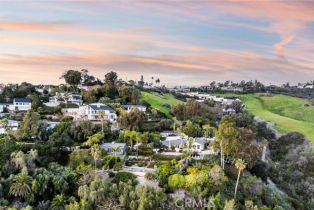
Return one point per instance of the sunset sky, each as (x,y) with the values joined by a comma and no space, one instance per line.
(180,42)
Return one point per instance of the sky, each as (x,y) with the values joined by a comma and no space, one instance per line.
(181,42)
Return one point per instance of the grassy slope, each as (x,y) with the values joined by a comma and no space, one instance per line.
(288,113)
(157,101)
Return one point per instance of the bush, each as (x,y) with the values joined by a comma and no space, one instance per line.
(150,176)
(67,119)
(124,177)
(117,166)
(176,181)
(111,174)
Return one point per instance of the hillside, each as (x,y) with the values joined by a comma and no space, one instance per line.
(288,113)
(160,102)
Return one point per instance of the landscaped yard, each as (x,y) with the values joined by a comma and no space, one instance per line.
(160,102)
(288,113)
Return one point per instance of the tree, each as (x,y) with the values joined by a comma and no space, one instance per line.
(32,128)
(247,148)
(176,181)
(95,152)
(191,129)
(66,98)
(111,84)
(227,136)
(240,165)
(58,202)
(5,124)
(102,114)
(131,136)
(141,82)
(21,186)
(36,102)
(157,81)
(115,150)
(132,120)
(72,77)
(94,139)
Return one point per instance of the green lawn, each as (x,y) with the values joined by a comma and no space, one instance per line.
(288,113)
(160,102)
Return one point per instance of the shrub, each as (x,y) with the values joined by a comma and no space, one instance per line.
(117,166)
(176,181)
(151,176)
(124,177)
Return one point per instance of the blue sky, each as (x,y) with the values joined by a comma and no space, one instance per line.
(181,42)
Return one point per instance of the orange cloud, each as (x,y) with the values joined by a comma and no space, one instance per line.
(32,26)
(175,69)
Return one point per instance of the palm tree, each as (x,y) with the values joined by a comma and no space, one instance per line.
(58,202)
(138,139)
(66,98)
(157,81)
(208,129)
(240,165)
(115,150)
(95,152)
(21,186)
(19,159)
(102,114)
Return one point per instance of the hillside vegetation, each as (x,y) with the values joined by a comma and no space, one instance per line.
(288,113)
(160,102)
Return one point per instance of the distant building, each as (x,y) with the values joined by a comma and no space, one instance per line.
(120,148)
(5,107)
(128,108)
(92,112)
(73,98)
(11,126)
(229,111)
(232,89)
(1,88)
(20,104)
(179,142)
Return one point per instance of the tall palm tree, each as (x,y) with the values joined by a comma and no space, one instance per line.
(138,138)
(21,186)
(66,98)
(206,128)
(102,114)
(95,152)
(115,150)
(240,165)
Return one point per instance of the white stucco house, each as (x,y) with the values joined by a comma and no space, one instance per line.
(181,142)
(128,108)
(73,98)
(21,104)
(12,125)
(120,148)
(92,112)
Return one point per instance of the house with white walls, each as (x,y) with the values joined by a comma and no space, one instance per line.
(92,111)
(20,104)
(128,108)
(113,148)
(74,98)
